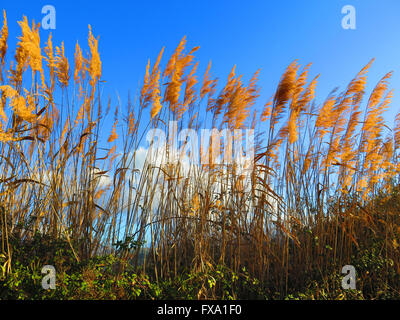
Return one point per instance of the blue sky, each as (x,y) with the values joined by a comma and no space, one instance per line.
(251,34)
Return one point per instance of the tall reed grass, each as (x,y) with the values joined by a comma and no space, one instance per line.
(319,170)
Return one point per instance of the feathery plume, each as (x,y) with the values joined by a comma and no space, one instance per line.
(94,61)
(3,38)
(62,66)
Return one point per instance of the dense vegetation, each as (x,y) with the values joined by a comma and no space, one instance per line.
(323,191)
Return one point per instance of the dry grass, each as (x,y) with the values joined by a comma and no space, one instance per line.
(317,174)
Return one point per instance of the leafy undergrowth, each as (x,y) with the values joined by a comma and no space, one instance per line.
(110,277)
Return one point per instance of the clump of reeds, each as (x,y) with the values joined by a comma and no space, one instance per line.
(316,173)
